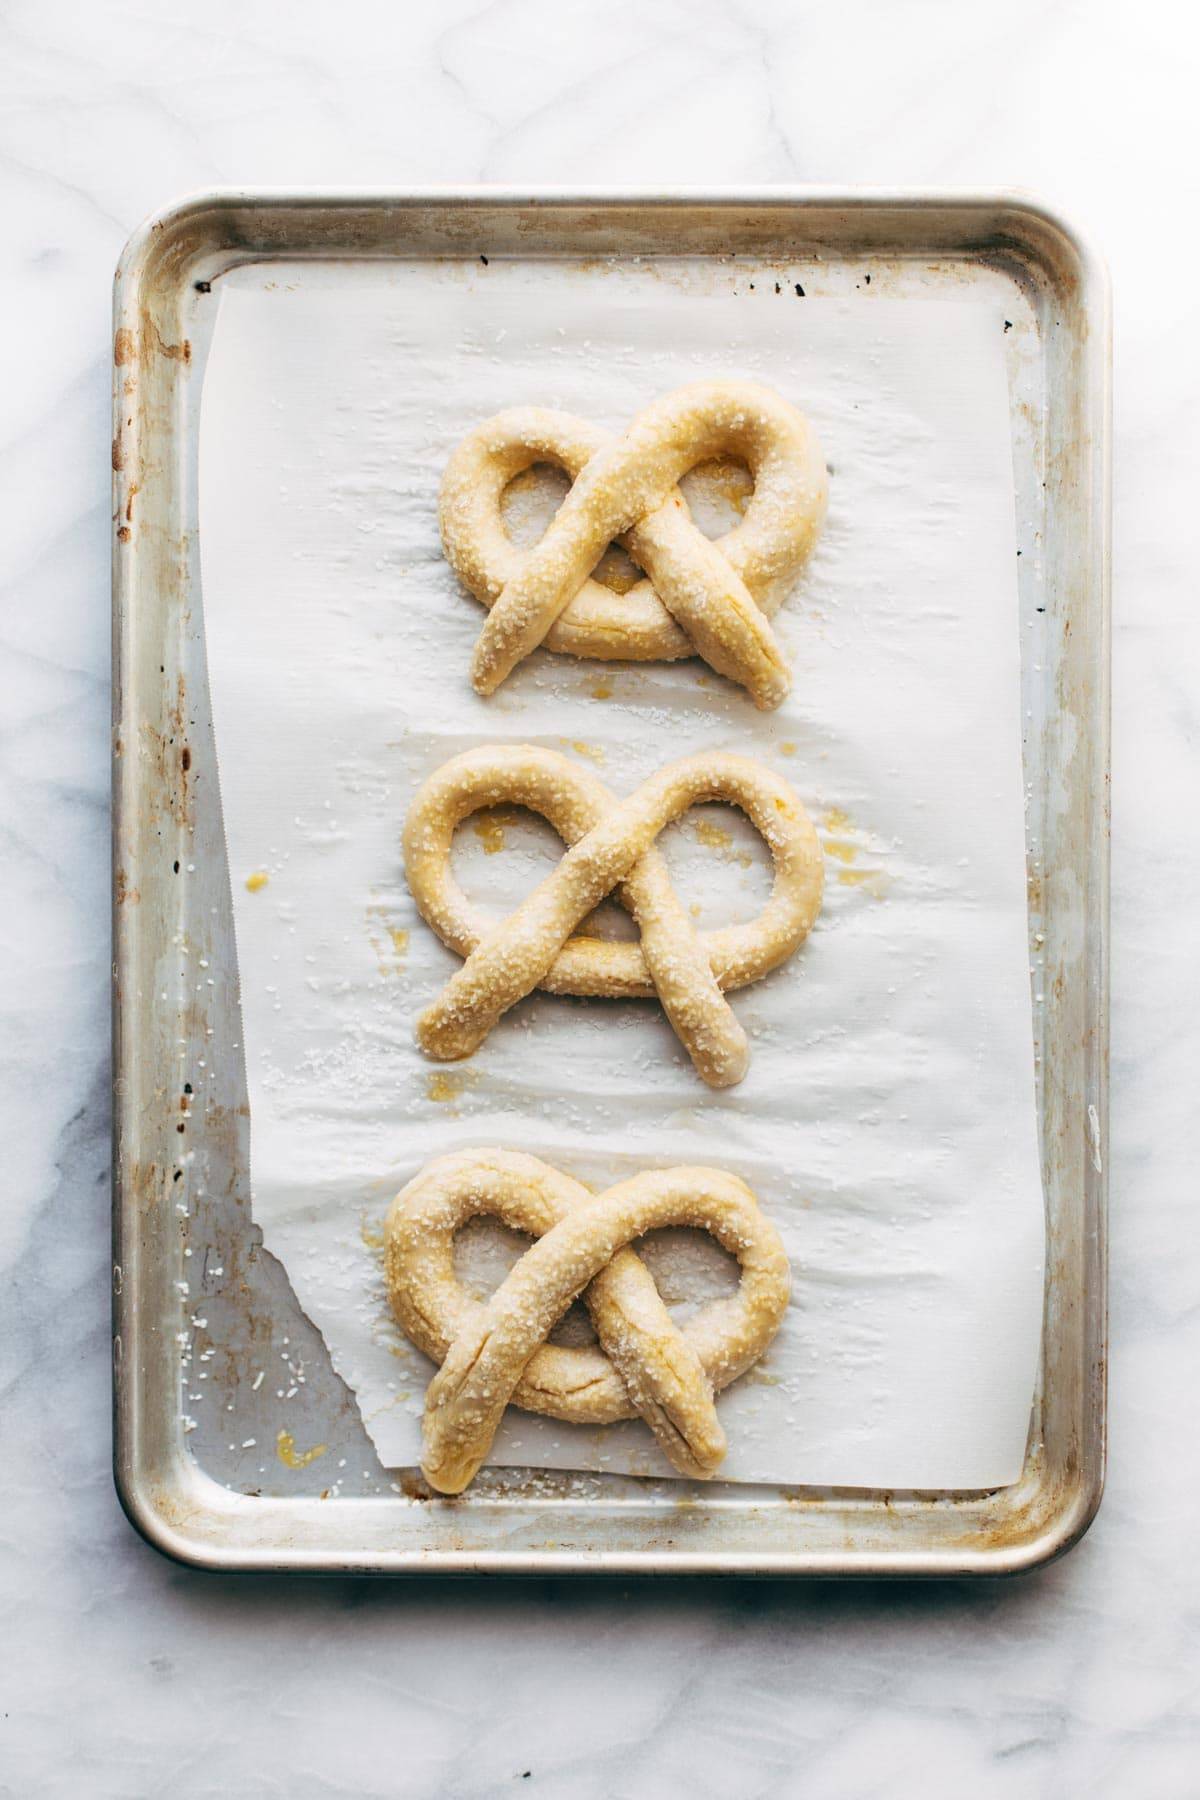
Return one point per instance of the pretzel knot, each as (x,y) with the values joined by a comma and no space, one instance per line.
(700,597)
(494,1353)
(611,849)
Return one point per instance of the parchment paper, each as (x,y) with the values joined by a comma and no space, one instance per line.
(887,1122)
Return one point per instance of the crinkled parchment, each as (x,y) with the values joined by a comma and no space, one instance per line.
(887,1122)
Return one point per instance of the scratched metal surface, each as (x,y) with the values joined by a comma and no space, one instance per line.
(235,1445)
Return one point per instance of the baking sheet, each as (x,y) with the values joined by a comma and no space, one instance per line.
(887,1122)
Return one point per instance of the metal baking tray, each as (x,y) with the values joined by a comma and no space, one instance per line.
(276,1470)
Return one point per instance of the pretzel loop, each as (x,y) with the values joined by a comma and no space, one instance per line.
(610,848)
(494,1353)
(700,597)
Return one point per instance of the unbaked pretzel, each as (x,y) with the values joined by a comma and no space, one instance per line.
(495,1353)
(701,597)
(610,847)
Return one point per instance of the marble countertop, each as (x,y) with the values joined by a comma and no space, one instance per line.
(127,1676)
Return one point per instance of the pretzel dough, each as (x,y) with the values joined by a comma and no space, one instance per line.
(611,849)
(495,1354)
(701,597)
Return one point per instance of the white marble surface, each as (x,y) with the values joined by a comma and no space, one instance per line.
(128,1677)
